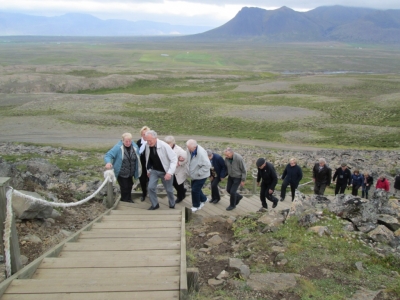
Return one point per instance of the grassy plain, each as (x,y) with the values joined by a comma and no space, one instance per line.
(328,95)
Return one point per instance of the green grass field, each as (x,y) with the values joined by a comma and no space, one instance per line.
(348,95)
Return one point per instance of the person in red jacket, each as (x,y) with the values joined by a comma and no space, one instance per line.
(382,183)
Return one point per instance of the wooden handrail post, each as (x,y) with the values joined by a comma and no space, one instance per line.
(14,243)
(254,186)
(4,181)
(110,195)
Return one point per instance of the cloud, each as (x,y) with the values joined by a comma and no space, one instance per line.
(188,12)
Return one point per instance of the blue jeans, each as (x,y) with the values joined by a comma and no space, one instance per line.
(232,187)
(197,193)
(152,188)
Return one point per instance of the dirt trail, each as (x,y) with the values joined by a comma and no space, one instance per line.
(90,140)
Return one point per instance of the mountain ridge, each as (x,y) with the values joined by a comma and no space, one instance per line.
(325,23)
(79,24)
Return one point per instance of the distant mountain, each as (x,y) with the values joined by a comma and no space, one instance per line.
(87,25)
(334,23)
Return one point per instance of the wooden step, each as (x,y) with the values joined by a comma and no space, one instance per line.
(123,244)
(104,262)
(89,285)
(117,254)
(147,295)
(111,272)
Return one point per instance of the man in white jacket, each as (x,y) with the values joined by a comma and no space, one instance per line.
(199,170)
(161,163)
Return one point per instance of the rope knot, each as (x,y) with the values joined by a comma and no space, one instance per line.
(109,174)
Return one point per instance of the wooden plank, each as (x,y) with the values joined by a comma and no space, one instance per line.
(142,218)
(147,295)
(30,269)
(146,212)
(88,285)
(142,233)
(122,245)
(116,254)
(183,279)
(102,262)
(110,272)
(136,224)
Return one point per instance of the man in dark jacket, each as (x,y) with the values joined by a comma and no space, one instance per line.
(343,179)
(267,173)
(291,176)
(218,171)
(322,176)
(396,184)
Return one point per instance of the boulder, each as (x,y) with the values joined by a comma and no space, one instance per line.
(355,209)
(364,294)
(320,230)
(235,263)
(272,281)
(214,241)
(390,222)
(27,209)
(272,219)
(381,234)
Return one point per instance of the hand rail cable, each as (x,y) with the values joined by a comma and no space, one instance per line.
(109,177)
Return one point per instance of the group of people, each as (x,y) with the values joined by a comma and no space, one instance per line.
(151,159)
(343,178)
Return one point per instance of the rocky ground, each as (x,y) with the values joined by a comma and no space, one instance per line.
(220,273)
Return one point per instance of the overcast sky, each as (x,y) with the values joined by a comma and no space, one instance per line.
(189,12)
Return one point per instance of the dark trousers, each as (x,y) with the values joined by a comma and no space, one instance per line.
(354,190)
(144,179)
(264,194)
(197,193)
(214,189)
(365,191)
(340,187)
(125,185)
(180,190)
(319,188)
(232,187)
(293,188)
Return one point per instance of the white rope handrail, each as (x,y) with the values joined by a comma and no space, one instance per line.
(109,177)
(7,235)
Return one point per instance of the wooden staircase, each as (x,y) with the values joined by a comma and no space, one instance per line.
(129,254)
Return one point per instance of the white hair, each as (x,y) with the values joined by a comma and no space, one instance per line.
(169,139)
(322,160)
(191,143)
(152,133)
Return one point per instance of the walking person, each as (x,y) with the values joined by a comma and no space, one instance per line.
(143,179)
(368,181)
(343,179)
(180,171)
(124,158)
(322,176)
(357,180)
(217,171)
(396,184)
(199,171)
(266,173)
(383,183)
(236,171)
(161,163)
(291,176)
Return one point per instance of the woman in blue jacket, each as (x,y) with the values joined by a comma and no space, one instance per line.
(291,176)
(124,158)
(357,180)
